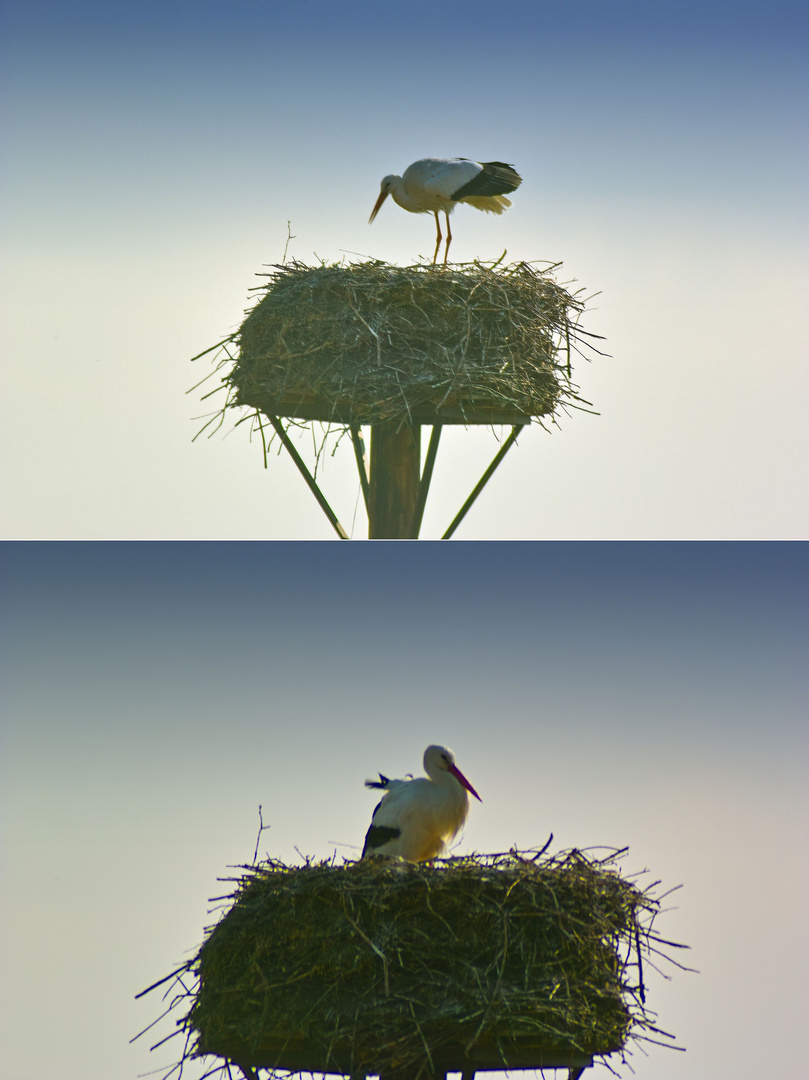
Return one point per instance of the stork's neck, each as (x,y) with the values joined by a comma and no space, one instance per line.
(449,783)
(399,194)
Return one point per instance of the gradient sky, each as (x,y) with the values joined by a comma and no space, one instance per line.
(156,151)
(156,694)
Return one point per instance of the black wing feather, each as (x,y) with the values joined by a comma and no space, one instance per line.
(382,783)
(497,178)
(378,835)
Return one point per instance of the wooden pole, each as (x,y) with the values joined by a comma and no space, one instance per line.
(394,480)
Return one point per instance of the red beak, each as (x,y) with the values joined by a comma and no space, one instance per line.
(382,196)
(459,776)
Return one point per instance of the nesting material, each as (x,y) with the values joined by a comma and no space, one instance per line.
(383,965)
(370,342)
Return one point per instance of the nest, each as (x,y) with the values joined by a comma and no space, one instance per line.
(383,965)
(371,343)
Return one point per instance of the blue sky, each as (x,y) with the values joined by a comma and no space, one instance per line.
(156,694)
(157,152)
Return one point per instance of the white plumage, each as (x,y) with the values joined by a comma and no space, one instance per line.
(417,818)
(438,184)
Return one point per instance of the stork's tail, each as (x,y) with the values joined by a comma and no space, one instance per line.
(382,783)
(492,204)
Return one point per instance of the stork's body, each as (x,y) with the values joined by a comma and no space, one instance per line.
(439,184)
(417,818)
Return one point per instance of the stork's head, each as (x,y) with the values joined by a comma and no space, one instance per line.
(441,758)
(384,191)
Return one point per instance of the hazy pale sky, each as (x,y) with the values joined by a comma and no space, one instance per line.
(155,694)
(156,151)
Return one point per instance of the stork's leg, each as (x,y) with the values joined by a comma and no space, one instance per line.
(438,237)
(449,237)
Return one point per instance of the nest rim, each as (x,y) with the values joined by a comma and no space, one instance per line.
(369,342)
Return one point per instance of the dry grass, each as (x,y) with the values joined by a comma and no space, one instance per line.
(370,342)
(383,965)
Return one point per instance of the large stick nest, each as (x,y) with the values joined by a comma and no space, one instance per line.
(370,342)
(382,965)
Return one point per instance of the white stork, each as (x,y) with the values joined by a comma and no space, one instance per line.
(434,184)
(417,818)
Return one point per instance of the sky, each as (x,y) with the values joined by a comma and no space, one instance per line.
(155,695)
(156,152)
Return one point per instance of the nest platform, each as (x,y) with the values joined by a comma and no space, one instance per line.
(381,966)
(370,343)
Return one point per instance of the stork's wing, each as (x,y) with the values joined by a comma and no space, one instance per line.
(377,836)
(492,178)
(443,178)
(392,817)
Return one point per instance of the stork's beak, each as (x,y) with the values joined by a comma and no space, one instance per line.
(459,776)
(382,196)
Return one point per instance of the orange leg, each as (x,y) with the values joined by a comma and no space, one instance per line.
(449,237)
(438,237)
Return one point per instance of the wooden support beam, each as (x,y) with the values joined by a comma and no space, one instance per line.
(394,481)
(299,1055)
(426,477)
(420,1074)
(504,449)
(247,1070)
(310,480)
(359,455)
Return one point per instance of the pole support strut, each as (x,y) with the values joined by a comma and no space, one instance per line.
(501,453)
(359,455)
(426,477)
(310,480)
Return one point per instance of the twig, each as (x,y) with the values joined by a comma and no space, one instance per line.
(286,245)
(261,828)
(378,952)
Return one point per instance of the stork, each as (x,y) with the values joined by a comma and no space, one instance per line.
(417,818)
(434,184)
